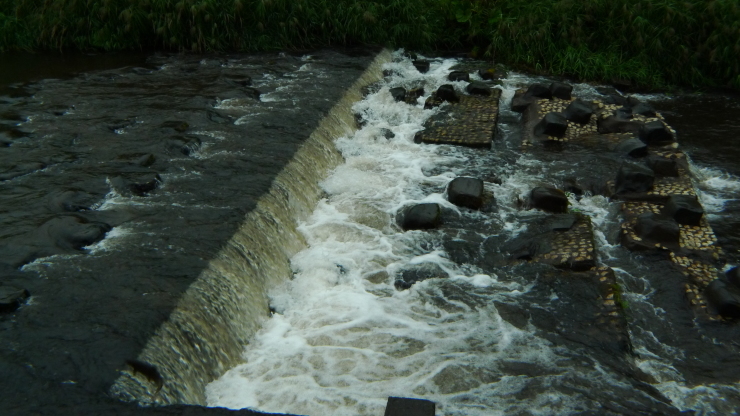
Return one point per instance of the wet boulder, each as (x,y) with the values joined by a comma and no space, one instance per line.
(614,124)
(644,109)
(663,166)
(185,145)
(398,93)
(413,94)
(553,124)
(733,276)
(71,232)
(616,99)
(656,133)
(561,90)
(252,93)
(539,91)
(623,113)
(633,147)
(632,101)
(421,65)
(11,298)
(458,76)
(657,229)
(725,298)
(138,185)
(418,272)
(548,199)
(387,133)
(684,209)
(521,101)
(219,118)
(633,178)
(420,217)
(466,192)
(478,88)
(447,93)
(70,201)
(578,111)
(487,74)
(403,406)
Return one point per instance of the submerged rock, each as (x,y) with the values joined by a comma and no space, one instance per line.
(725,298)
(11,298)
(458,76)
(139,185)
(614,124)
(71,232)
(417,273)
(398,93)
(186,145)
(420,217)
(539,91)
(466,192)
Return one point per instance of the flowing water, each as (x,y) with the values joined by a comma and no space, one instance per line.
(490,338)
(115,270)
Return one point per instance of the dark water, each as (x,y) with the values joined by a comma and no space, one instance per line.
(118,185)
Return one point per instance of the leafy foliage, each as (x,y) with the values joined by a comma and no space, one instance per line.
(651,42)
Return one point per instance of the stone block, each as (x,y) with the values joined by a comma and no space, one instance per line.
(398,93)
(633,147)
(684,209)
(656,133)
(548,199)
(478,88)
(421,65)
(663,166)
(658,229)
(561,90)
(614,124)
(553,124)
(644,109)
(447,93)
(724,298)
(420,217)
(418,272)
(539,91)
(402,406)
(578,111)
(458,76)
(11,298)
(633,178)
(466,192)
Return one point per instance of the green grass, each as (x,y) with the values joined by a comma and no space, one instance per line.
(650,42)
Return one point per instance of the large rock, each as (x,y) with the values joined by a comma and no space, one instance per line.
(421,65)
(138,185)
(521,101)
(656,133)
(553,124)
(11,298)
(684,209)
(623,113)
(458,76)
(417,273)
(466,192)
(398,93)
(185,145)
(614,124)
(548,199)
(447,93)
(578,111)
(725,298)
(478,88)
(733,276)
(633,147)
(663,166)
(71,232)
(633,178)
(402,406)
(655,228)
(644,109)
(539,91)
(420,217)
(561,90)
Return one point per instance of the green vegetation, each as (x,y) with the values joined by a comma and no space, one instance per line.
(650,42)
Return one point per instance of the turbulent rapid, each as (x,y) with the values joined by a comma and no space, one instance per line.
(342,338)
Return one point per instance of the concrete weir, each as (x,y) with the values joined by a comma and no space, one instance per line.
(206,333)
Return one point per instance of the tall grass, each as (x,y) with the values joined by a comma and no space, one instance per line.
(650,42)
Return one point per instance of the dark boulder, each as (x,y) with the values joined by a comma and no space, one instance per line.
(420,217)
(447,93)
(684,209)
(71,201)
(539,91)
(458,76)
(138,185)
(521,101)
(553,124)
(663,166)
(633,147)
(402,406)
(185,145)
(413,94)
(548,199)
(145,160)
(623,113)
(561,90)
(622,84)
(478,88)
(466,192)
(614,124)
(398,93)
(178,126)
(219,118)
(615,99)
(387,133)
(632,101)
(563,222)
(733,276)
(11,298)
(725,298)
(72,232)
(417,273)
(421,65)
(487,74)
(633,178)
(578,111)
(252,93)
(644,109)
(656,133)
(655,228)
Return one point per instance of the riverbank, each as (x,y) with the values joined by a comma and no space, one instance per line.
(645,44)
